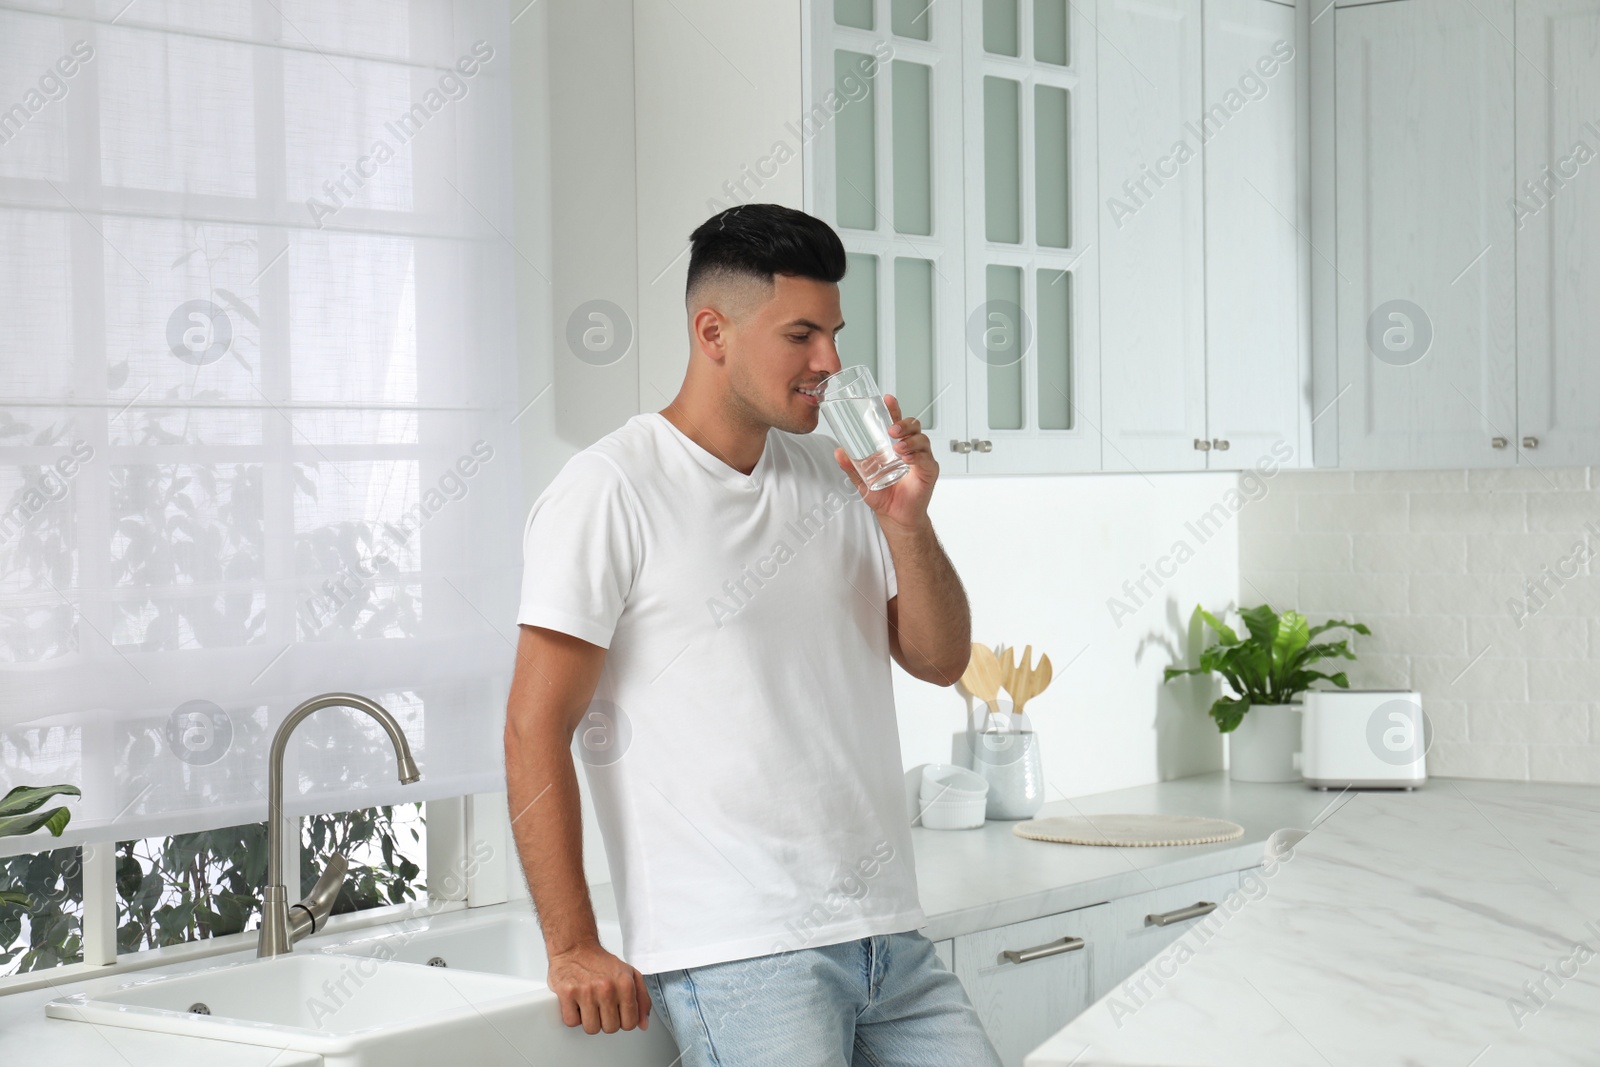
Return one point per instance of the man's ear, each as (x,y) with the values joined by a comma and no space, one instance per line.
(710,329)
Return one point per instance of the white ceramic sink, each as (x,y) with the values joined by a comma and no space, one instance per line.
(356,1011)
(506,943)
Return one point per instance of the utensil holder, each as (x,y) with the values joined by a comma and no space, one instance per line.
(1009,762)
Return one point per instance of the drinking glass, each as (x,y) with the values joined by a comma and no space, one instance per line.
(860,423)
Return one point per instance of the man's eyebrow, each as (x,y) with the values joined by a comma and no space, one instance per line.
(808,324)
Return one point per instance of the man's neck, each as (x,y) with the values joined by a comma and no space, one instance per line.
(739,448)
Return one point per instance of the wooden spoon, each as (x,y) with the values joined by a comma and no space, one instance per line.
(982,676)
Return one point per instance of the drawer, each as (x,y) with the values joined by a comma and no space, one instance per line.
(1030,979)
(1139,927)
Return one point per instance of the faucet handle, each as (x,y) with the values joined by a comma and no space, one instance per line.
(308,915)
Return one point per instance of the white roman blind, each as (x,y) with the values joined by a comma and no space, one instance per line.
(257,392)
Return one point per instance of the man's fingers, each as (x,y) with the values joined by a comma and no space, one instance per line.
(591,1013)
(608,1012)
(644,1000)
(627,1002)
(571,1014)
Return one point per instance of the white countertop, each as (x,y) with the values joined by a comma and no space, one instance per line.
(968,880)
(1412,928)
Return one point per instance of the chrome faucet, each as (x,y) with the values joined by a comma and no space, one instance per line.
(282,925)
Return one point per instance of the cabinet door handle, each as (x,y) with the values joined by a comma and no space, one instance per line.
(960,446)
(1049,948)
(982,445)
(1530,442)
(1202,445)
(1498,442)
(1219,443)
(1193,911)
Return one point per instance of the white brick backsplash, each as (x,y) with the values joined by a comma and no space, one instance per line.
(1528,479)
(1523,552)
(1565,763)
(1312,481)
(1446,760)
(1539,637)
(1463,594)
(1564,679)
(1277,510)
(1352,512)
(1280,589)
(1437,563)
(1414,635)
(1261,550)
(1409,553)
(1353,593)
(1563,512)
(1410,481)
(1370,670)
(1459,678)
(1467,513)
(1448,719)
(1541,723)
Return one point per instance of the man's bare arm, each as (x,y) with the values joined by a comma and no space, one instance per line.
(553,683)
(930,622)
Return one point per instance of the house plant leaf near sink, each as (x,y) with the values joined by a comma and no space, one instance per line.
(1266,671)
(20,813)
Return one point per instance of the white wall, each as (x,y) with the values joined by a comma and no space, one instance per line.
(1040,557)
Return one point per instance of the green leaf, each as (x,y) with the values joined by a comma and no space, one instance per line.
(1225,634)
(11,896)
(1228,713)
(26,798)
(1262,622)
(53,819)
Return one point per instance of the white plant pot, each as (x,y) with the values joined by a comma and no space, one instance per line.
(1265,746)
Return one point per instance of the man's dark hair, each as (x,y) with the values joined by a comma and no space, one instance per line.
(761,240)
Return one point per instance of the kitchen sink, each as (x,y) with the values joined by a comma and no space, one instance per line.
(506,943)
(355,1010)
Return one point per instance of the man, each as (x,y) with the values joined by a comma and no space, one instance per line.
(704,592)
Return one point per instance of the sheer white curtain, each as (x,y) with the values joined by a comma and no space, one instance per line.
(257,389)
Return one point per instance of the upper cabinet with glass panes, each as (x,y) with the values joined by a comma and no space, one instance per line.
(967,153)
(949,164)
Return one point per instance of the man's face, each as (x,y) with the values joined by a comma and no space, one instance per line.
(782,346)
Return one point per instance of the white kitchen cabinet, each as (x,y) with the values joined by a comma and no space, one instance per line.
(1140,927)
(945,951)
(1425,248)
(1256,361)
(1152,232)
(1025,997)
(1032,356)
(1557,213)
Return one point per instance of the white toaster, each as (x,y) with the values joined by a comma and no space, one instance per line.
(1363,739)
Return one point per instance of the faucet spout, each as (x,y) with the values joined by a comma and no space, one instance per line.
(278,931)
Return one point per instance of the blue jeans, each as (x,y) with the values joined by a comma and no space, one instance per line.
(882,1001)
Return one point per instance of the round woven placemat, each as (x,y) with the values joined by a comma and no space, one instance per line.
(1129,830)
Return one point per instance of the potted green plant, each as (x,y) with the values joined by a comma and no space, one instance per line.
(20,814)
(1265,672)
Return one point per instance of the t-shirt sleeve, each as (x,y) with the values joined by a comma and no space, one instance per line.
(580,551)
(888,559)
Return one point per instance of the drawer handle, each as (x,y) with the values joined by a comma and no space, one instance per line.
(1039,952)
(1193,911)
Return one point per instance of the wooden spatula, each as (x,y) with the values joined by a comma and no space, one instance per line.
(1026,681)
(982,676)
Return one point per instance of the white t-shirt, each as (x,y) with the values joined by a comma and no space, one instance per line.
(748,783)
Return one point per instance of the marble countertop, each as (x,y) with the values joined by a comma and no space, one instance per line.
(978,879)
(1456,925)
(968,880)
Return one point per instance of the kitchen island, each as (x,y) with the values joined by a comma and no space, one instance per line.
(1456,925)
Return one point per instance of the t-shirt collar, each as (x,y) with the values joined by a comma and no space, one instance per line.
(715,465)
